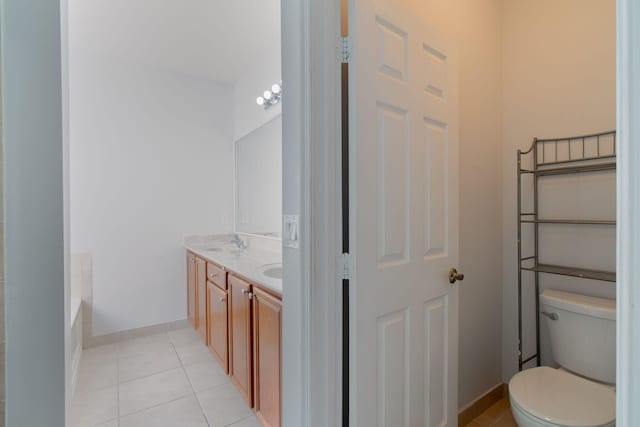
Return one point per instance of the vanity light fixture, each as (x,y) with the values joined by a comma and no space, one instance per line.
(270,97)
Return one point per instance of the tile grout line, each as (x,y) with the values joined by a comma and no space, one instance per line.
(154,406)
(182,365)
(184,369)
(138,354)
(150,375)
(239,421)
(103,423)
(147,376)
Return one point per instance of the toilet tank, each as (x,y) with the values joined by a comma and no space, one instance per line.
(582,330)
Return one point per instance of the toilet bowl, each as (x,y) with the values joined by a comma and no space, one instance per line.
(547,397)
(581,394)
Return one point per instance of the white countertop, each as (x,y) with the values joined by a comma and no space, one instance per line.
(250,262)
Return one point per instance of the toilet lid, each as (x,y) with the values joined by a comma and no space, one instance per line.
(562,398)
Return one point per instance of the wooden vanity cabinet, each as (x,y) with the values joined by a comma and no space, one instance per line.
(267,357)
(191,290)
(217,324)
(241,324)
(217,275)
(201,297)
(240,342)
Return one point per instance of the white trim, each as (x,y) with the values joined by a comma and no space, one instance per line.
(296,284)
(34,144)
(311,108)
(628,211)
(326,173)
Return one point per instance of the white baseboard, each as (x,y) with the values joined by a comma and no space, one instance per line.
(115,337)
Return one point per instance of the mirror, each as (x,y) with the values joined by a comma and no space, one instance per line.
(258,181)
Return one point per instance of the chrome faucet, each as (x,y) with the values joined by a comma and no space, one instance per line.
(238,242)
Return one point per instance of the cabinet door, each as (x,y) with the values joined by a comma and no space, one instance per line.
(191,290)
(267,334)
(240,369)
(217,320)
(201,293)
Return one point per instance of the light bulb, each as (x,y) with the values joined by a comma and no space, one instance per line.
(260,100)
(267,95)
(275,88)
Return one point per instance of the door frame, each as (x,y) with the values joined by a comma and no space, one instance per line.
(35,183)
(628,212)
(311,382)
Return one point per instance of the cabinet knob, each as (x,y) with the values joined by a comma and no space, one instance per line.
(222,299)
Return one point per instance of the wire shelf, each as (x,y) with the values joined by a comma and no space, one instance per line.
(598,167)
(570,221)
(558,156)
(606,276)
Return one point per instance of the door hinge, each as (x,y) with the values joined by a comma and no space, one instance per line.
(344,50)
(345,266)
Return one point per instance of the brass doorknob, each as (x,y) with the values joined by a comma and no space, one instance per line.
(454,276)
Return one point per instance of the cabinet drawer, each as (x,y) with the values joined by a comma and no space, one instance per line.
(217,275)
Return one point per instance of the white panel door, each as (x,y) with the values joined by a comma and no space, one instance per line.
(404,182)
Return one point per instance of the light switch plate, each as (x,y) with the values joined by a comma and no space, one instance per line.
(290,231)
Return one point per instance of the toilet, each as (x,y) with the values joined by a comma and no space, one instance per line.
(581,392)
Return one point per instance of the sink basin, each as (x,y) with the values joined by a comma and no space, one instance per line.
(273,272)
(222,247)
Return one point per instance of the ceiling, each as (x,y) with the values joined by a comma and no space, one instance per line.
(215,39)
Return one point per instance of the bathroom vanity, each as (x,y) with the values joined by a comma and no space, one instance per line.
(234,301)
(234,281)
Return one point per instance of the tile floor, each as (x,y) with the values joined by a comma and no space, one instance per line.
(498,415)
(164,380)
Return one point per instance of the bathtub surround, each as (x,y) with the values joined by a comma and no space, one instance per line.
(82,289)
(74,355)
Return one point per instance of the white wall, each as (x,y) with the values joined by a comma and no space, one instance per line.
(151,161)
(475,27)
(558,68)
(248,116)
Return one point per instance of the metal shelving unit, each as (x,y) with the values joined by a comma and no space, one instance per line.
(547,160)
